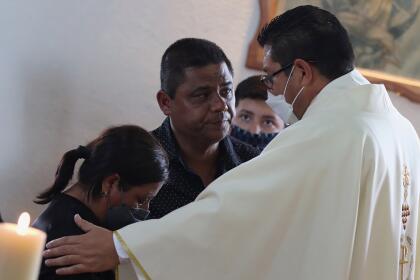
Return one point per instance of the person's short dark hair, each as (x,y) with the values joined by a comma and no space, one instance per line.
(251,88)
(128,150)
(185,53)
(313,34)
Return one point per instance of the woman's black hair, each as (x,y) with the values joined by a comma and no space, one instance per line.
(129,151)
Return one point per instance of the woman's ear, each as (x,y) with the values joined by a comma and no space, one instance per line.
(110,183)
(165,102)
(305,70)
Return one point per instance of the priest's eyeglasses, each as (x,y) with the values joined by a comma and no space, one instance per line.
(268,79)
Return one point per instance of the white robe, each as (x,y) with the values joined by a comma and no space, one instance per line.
(323,201)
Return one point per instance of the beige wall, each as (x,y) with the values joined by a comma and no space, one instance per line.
(68,69)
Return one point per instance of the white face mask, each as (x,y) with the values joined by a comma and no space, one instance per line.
(281,107)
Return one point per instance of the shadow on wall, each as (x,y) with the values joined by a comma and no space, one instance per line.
(47,108)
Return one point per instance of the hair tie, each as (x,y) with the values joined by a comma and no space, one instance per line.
(83,152)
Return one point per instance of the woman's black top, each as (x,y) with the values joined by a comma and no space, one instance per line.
(58,221)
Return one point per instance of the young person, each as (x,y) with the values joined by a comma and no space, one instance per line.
(255,123)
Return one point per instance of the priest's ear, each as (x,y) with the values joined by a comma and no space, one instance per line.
(306,71)
(165,102)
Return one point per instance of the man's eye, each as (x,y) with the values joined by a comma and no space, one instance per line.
(245,117)
(200,95)
(268,123)
(227,93)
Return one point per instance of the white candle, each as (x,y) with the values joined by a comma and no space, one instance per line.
(20,250)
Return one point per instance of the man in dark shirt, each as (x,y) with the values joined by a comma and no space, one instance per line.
(197,97)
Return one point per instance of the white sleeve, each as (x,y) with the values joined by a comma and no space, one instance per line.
(122,254)
(125,259)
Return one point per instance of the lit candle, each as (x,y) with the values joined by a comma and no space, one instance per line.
(21,249)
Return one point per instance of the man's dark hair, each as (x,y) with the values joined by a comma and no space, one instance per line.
(312,34)
(185,53)
(252,88)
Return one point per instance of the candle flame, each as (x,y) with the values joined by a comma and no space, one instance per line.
(23,223)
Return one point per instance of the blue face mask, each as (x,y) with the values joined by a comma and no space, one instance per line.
(257,140)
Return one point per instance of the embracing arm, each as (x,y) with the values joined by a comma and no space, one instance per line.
(93,251)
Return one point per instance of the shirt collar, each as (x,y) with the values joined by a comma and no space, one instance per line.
(169,142)
(227,152)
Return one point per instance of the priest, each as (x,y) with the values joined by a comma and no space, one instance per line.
(334,196)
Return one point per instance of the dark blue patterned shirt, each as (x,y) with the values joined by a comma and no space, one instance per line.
(183,185)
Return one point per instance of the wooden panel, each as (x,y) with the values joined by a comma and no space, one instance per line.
(409,88)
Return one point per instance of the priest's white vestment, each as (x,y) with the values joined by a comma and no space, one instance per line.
(334,196)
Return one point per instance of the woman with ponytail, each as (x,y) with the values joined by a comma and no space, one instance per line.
(122,170)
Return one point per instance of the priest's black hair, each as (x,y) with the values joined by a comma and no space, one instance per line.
(308,32)
(129,151)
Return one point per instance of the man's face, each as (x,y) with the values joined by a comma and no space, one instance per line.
(255,116)
(202,108)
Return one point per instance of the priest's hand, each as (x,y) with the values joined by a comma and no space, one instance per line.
(93,251)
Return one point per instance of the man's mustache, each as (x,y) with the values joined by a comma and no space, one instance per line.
(220,117)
